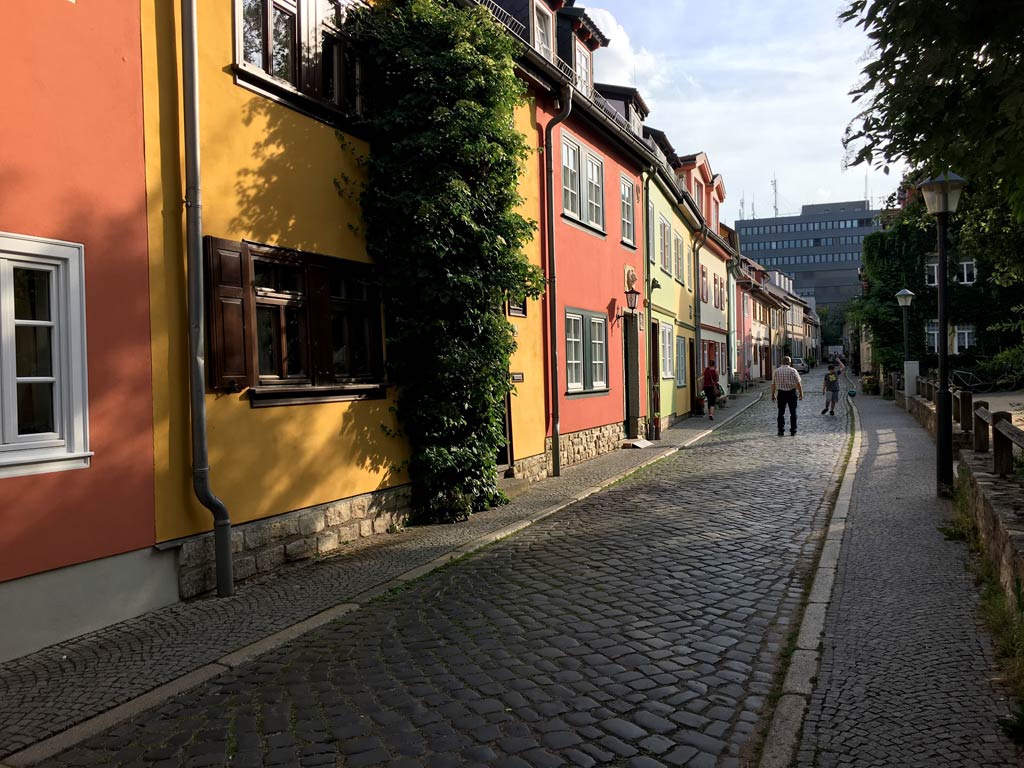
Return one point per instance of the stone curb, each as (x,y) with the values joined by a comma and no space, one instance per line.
(781,741)
(76,734)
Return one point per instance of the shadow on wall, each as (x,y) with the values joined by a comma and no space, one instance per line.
(301,190)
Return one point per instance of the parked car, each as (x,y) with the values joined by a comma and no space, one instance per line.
(800,365)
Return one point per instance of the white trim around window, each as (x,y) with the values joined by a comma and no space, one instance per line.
(668,370)
(595,191)
(931,274)
(627,214)
(542,32)
(43,381)
(570,177)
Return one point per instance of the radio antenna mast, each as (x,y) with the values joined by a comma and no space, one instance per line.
(775,195)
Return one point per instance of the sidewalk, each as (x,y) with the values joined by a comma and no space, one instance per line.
(56,697)
(906,669)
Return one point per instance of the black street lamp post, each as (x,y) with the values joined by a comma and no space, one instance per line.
(941,195)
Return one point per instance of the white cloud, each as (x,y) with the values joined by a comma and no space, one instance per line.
(763,90)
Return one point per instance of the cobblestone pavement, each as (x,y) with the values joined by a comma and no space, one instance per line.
(906,668)
(47,692)
(639,627)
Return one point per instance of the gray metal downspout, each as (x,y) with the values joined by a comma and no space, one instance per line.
(697,295)
(196,319)
(653,432)
(549,167)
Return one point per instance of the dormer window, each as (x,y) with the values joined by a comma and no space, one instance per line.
(698,195)
(635,122)
(714,215)
(583,75)
(542,32)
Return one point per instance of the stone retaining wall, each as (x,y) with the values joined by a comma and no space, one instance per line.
(264,546)
(532,468)
(998,506)
(923,411)
(575,447)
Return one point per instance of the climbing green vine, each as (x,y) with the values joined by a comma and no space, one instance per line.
(440,211)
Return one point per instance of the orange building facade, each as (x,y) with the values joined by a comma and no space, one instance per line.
(76,444)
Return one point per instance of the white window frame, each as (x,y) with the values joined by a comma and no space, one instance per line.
(969,339)
(698,194)
(680,361)
(573,342)
(668,370)
(571,178)
(598,353)
(627,211)
(678,250)
(542,23)
(931,274)
(583,69)
(68,446)
(714,215)
(964,267)
(931,335)
(595,191)
(665,250)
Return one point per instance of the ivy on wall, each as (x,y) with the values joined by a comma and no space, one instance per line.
(440,213)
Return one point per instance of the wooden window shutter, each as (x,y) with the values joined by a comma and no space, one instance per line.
(229,315)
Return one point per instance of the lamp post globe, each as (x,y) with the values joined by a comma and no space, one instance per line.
(941,195)
(905,297)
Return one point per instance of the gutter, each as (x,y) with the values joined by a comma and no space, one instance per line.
(196,318)
(549,169)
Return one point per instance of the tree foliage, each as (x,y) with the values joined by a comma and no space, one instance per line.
(440,210)
(944,88)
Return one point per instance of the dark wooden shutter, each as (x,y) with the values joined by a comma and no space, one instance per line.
(229,353)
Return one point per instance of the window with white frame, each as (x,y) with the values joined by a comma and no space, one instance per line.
(714,215)
(964,338)
(703,283)
(595,191)
(680,361)
(689,266)
(677,252)
(586,350)
(698,195)
(574,351)
(583,68)
(542,32)
(570,177)
(665,244)
(966,272)
(931,336)
(931,274)
(628,225)
(667,367)
(598,357)
(746,305)
(43,403)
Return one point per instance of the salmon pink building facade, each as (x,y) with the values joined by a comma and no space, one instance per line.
(76,417)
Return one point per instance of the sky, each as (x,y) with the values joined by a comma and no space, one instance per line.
(761,86)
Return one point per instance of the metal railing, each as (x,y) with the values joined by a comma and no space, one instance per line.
(514,25)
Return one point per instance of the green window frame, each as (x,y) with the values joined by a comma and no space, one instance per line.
(586,351)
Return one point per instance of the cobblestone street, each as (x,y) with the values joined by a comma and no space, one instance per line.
(641,627)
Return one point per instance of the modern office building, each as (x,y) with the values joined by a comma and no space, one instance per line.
(820,249)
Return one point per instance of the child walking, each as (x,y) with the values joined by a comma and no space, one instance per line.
(830,389)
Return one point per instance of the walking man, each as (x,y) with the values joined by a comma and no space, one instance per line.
(787,386)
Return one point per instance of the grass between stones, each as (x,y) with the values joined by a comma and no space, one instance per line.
(1003,618)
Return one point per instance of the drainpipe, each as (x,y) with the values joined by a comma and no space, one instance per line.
(697,294)
(196,320)
(549,168)
(653,428)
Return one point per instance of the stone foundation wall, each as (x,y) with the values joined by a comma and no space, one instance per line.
(264,546)
(923,412)
(532,468)
(575,447)
(998,506)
